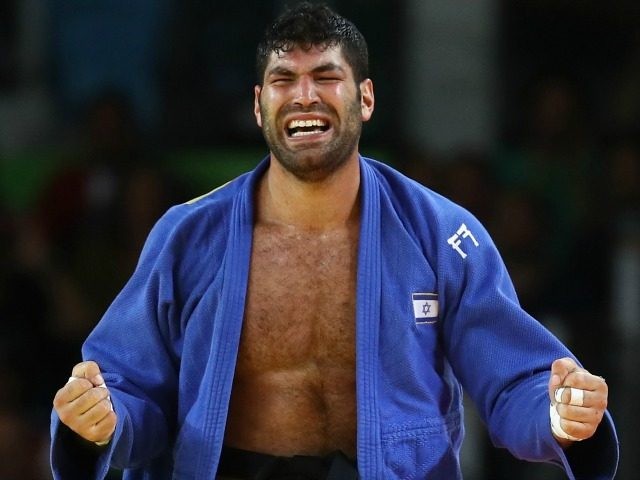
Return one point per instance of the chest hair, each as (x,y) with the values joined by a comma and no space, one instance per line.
(301,299)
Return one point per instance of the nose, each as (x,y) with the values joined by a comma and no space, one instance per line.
(306,93)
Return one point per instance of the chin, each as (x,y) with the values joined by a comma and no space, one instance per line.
(312,168)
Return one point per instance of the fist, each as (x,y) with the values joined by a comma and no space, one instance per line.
(579,399)
(84,405)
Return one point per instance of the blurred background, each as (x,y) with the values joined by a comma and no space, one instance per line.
(527,113)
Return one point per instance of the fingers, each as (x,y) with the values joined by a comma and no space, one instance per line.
(578,400)
(560,369)
(96,424)
(564,366)
(90,414)
(101,432)
(584,415)
(89,370)
(576,423)
(565,372)
(574,430)
(84,376)
(88,399)
(581,378)
(96,413)
(72,390)
(84,404)
(582,388)
(570,395)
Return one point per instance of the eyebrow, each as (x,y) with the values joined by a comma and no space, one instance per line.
(325,67)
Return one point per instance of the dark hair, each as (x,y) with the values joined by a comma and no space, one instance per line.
(307,26)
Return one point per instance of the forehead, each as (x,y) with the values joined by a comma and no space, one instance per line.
(300,60)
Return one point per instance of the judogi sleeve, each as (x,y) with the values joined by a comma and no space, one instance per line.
(503,356)
(135,346)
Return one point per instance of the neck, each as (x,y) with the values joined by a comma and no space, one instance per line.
(330,203)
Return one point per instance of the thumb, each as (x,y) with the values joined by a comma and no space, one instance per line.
(560,368)
(89,370)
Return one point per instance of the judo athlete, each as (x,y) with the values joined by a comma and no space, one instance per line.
(319,316)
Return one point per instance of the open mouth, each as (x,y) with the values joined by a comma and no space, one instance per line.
(301,128)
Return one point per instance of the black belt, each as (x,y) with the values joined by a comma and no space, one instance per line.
(245,465)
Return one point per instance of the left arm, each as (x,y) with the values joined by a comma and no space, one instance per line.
(508,363)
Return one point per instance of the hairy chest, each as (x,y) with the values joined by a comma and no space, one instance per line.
(300,307)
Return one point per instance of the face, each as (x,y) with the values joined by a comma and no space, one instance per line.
(311,111)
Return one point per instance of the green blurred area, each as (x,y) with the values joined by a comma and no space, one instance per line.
(203,170)
(25,175)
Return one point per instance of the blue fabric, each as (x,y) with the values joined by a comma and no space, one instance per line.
(167,345)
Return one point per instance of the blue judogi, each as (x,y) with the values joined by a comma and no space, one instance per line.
(435,311)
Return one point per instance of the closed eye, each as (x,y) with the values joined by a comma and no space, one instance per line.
(329,79)
(280,80)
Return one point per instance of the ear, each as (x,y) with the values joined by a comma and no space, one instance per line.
(367,100)
(256,105)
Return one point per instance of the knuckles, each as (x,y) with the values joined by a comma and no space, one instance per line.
(582,431)
(88,366)
(70,408)
(103,406)
(103,430)
(96,394)
(66,417)
(86,424)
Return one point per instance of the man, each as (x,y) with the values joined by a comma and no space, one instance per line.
(317,317)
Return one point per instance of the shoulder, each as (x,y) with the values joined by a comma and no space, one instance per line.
(198,225)
(420,205)
(450,236)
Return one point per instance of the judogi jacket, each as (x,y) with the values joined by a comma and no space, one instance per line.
(435,312)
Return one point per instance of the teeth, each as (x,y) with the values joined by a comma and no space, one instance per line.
(306,123)
(302,133)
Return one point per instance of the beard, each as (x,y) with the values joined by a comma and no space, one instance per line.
(314,163)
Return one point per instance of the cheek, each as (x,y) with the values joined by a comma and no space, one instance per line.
(350,98)
(267,105)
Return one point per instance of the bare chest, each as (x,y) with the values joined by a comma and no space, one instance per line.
(301,299)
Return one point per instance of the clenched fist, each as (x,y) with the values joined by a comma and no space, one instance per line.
(578,401)
(84,405)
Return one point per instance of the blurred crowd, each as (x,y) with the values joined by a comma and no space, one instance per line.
(63,260)
(559,194)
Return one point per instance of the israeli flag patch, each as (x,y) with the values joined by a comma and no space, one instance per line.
(425,307)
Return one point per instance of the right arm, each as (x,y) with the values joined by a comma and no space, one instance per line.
(136,346)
